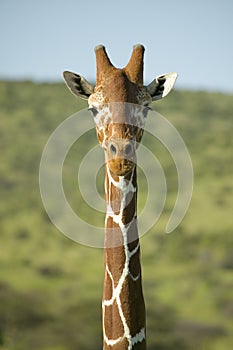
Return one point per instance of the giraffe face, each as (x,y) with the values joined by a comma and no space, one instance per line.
(119,127)
(119,103)
(119,108)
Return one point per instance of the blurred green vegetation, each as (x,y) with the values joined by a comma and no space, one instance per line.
(51,287)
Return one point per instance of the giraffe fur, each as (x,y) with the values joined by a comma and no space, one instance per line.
(119,102)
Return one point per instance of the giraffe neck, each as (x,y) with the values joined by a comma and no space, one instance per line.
(123,303)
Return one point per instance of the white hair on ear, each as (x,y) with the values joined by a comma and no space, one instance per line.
(161,85)
(169,83)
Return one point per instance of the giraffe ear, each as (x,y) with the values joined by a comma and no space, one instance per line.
(161,85)
(78,85)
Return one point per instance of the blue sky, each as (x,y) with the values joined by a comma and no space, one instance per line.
(40,39)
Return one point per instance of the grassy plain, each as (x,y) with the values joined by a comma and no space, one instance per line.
(51,287)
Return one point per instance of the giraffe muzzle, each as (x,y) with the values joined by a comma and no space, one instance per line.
(121,156)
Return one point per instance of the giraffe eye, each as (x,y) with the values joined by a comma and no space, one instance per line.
(93,111)
(146,109)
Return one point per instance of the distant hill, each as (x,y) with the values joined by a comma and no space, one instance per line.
(50,287)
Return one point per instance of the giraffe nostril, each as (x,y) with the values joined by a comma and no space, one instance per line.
(113,149)
(128,149)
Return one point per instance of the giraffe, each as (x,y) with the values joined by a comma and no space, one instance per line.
(119,103)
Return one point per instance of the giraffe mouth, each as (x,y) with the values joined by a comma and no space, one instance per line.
(120,166)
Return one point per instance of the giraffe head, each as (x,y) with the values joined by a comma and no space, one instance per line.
(119,103)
